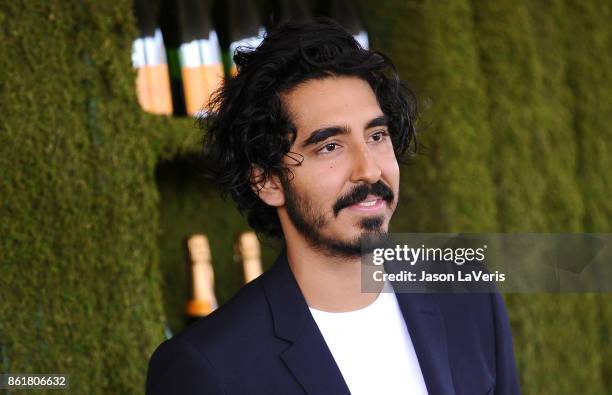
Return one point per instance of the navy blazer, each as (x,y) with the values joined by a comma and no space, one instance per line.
(265,341)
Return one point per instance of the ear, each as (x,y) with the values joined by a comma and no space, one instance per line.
(269,190)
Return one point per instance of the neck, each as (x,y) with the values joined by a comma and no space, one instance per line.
(328,283)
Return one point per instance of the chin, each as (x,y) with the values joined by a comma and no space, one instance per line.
(373,224)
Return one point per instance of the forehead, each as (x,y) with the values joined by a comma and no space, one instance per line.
(331,101)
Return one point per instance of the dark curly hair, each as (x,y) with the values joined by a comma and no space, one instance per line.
(248,124)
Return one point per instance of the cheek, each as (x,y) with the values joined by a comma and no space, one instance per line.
(328,177)
(392,172)
(320,185)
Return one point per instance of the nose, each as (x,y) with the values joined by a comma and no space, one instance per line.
(365,169)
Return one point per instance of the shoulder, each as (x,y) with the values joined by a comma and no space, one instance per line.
(206,353)
(243,318)
(472,316)
(176,367)
(484,313)
(478,336)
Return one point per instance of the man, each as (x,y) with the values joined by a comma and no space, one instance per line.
(306,139)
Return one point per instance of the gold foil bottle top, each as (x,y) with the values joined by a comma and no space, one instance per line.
(247,246)
(199,249)
(203,300)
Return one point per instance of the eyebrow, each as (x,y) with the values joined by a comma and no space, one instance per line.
(324,133)
(378,121)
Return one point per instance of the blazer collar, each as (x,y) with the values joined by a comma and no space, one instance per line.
(308,356)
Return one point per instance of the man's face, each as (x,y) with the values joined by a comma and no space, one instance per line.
(345,191)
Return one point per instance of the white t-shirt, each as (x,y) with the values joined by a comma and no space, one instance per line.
(372,348)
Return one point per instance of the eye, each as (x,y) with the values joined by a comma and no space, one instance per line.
(329,147)
(379,135)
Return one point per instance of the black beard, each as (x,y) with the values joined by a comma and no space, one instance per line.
(308,222)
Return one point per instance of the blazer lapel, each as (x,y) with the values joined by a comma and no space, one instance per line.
(307,357)
(313,365)
(428,334)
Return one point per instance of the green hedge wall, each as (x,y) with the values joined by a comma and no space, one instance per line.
(97,195)
(79,211)
(532,174)
(448,185)
(589,57)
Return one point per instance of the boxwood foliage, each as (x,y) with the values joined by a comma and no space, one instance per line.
(80,281)
(589,76)
(524,59)
(447,183)
(97,196)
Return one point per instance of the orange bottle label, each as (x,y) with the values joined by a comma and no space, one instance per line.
(199,83)
(142,87)
(159,89)
(153,89)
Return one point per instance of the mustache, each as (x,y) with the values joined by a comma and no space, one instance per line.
(362,191)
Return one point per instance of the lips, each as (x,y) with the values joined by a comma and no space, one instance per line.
(369,201)
(369,204)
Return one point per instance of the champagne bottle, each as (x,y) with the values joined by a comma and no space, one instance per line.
(345,13)
(248,251)
(149,60)
(245,30)
(194,54)
(203,300)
